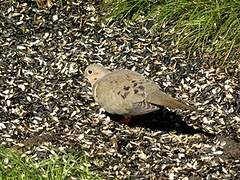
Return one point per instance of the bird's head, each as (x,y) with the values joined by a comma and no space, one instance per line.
(94,72)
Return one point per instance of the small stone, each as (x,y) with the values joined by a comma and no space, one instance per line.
(2,126)
(55,17)
(142,156)
(21,47)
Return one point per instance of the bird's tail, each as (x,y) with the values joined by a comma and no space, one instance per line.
(162,99)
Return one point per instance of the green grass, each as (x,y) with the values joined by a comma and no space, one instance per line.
(13,165)
(205,26)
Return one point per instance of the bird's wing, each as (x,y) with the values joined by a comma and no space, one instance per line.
(123,92)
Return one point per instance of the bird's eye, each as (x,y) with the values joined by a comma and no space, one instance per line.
(89,71)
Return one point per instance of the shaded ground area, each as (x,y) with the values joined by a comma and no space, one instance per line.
(163,120)
(45,101)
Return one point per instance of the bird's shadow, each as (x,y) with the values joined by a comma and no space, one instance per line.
(163,120)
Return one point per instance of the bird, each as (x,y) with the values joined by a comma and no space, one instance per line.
(128,93)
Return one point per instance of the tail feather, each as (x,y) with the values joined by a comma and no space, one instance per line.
(162,99)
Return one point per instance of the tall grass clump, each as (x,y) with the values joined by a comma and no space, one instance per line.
(203,25)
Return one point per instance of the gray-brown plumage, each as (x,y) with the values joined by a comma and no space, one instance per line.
(125,92)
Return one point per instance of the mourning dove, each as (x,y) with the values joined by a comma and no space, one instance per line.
(125,92)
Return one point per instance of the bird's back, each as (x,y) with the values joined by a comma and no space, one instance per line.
(119,91)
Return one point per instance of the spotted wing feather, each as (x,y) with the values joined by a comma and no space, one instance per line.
(123,92)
